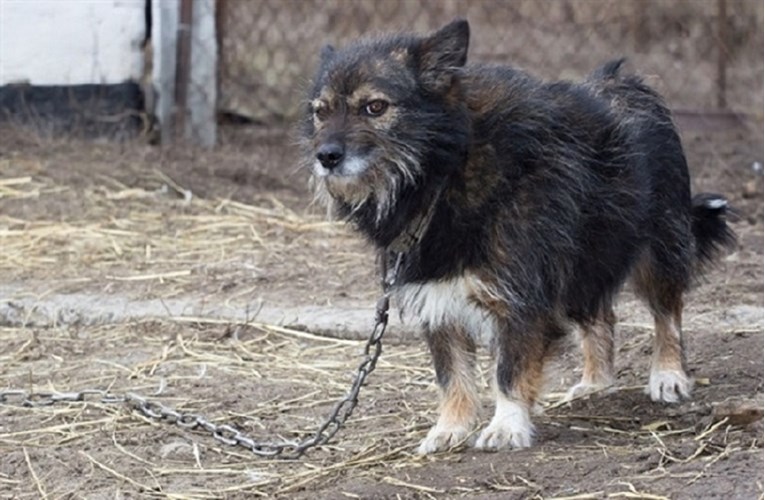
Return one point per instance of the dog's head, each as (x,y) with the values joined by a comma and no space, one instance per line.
(385,115)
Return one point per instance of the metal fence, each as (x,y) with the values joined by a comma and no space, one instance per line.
(701,54)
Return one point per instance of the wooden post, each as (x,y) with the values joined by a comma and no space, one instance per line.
(185,70)
(203,76)
(638,27)
(163,39)
(722,53)
(184,32)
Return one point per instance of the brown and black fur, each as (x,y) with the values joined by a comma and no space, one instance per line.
(521,208)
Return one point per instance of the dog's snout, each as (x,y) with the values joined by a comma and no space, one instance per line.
(330,154)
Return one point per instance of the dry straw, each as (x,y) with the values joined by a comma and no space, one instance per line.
(271,381)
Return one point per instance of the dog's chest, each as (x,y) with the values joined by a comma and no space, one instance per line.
(447,303)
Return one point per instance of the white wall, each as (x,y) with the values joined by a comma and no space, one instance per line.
(71,42)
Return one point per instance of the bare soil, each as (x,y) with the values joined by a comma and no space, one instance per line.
(115,221)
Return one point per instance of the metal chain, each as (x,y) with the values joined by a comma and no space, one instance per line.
(226,433)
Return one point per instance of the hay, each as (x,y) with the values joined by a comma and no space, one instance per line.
(268,382)
(305,376)
(157,238)
(164,243)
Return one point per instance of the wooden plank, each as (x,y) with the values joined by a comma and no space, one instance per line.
(203,81)
(185,76)
(163,39)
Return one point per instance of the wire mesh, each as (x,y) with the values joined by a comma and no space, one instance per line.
(268,48)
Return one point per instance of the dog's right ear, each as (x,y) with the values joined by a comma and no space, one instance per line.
(442,52)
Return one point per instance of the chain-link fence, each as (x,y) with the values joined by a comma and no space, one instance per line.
(701,54)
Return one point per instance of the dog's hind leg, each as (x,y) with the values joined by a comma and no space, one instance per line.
(668,381)
(597,340)
(453,352)
(520,359)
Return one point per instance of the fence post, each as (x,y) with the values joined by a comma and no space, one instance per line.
(638,27)
(203,75)
(185,70)
(722,53)
(163,39)
(183,35)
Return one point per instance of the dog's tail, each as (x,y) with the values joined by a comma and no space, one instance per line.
(709,224)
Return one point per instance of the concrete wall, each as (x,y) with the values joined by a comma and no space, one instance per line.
(71,42)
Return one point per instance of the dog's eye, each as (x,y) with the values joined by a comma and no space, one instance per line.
(320,111)
(376,107)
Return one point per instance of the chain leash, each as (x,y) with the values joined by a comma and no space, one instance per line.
(226,433)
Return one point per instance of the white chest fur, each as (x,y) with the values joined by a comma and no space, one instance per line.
(447,302)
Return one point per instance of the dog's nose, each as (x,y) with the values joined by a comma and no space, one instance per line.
(330,154)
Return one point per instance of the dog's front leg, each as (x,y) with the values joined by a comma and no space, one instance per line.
(453,352)
(520,356)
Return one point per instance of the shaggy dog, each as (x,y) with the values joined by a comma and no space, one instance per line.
(520,208)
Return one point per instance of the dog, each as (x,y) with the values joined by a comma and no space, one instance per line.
(519,208)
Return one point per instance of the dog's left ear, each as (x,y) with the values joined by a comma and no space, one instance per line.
(442,52)
(327,54)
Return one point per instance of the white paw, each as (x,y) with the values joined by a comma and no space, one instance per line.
(584,388)
(441,438)
(503,435)
(669,386)
(510,428)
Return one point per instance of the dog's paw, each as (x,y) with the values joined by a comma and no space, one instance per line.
(583,389)
(441,438)
(498,435)
(510,427)
(669,386)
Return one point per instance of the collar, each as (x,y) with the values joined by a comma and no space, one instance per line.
(415,230)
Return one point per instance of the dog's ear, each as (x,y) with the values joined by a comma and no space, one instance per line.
(327,54)
(442,52)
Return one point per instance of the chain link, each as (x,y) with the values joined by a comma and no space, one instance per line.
(226,433)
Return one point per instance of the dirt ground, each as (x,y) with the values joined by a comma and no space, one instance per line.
(233,230)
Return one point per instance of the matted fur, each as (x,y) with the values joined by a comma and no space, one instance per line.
(538,200)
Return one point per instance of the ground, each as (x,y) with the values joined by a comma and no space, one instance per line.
(207,281)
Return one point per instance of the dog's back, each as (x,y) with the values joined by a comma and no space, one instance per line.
(571,195)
